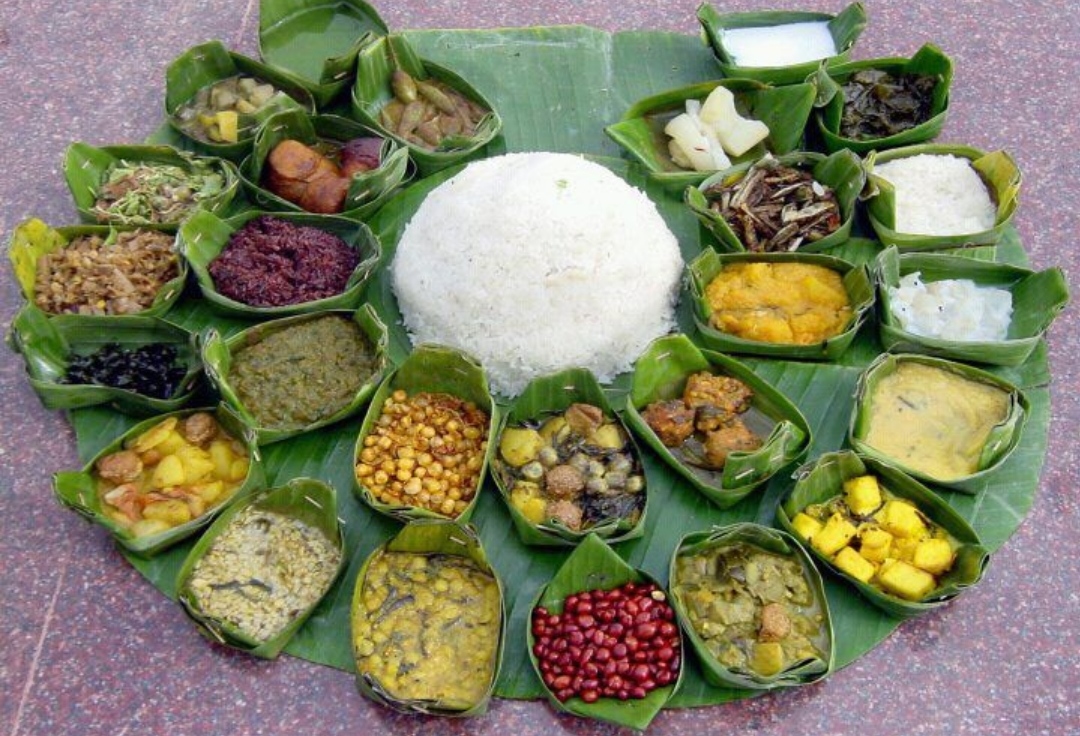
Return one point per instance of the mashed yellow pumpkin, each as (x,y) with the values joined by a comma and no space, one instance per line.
(788,303)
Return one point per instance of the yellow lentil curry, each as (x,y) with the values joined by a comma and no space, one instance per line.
(783,303)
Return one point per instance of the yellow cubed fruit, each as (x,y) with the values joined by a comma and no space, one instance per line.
(862,494)
(905,580)
(933,555)
(768,658)
(228,123)
(169,472)
(239,469)
(854,564)
(836,533)
(875,544)
(806,526)
(173,512)
(902,519)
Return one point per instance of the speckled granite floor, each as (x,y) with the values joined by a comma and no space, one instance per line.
(88,647)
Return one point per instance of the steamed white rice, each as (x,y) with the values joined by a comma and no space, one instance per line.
(938,195)
(951,309)
(534,262)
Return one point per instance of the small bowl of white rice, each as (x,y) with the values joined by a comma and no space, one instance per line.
(965,309)
(937,196)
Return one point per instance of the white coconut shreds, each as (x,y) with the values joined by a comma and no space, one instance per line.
(938,195)
(535,262)
(951,309)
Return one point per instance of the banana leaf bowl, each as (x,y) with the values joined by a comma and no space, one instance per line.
(784,109)
(844,27)
(212,185)
(833,104)
(1037,298)
(707,266)
(448,572)
(367,190)
(841,171)
(33,239)
(457,380)
(379,67)
(200,68)
(222,357)
(82,491)
(50,346)
(999,174)
(712,574)
(290,537)
(594,578)
(958,425)
(317,40)
(820,485)
(204,236)
(660,376)
(536,423)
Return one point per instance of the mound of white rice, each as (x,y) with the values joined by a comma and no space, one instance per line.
(951,309)
(534,262)
(938,195)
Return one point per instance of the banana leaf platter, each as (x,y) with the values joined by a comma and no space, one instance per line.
(545,397)
(78,491)
(433,369)
(317,40)
(428,537)
(803,671)
(86,169)
(845,28)
(204,236)
(997,170)
(831,101)
(1037,298)
(33,239)
(784,109)
(590,76)
(367,191)
(209,63)
(821,480)
(660,374)
(309,501)
(999,444)
(376,64)
(842,171)
(218,354)
(48,346)
(593,565)
(708,266)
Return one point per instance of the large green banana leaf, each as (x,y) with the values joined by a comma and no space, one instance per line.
(557,88)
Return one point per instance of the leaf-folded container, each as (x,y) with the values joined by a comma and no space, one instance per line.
(820,481)
(999,444)
(307,501)
(79,490)
(33,239)
(1037,298)
(546,397)
(211,63)
(87,168)
(708,265)
(204,236)
(812,667)
(431,538)
(436,369)
(593,565)
(842,171)
(999,174)
(845,28)
(317,40)
(367,191)
(219,354)
(784,109)
(372,91)
(831,102)
(661,374)
(49,345)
